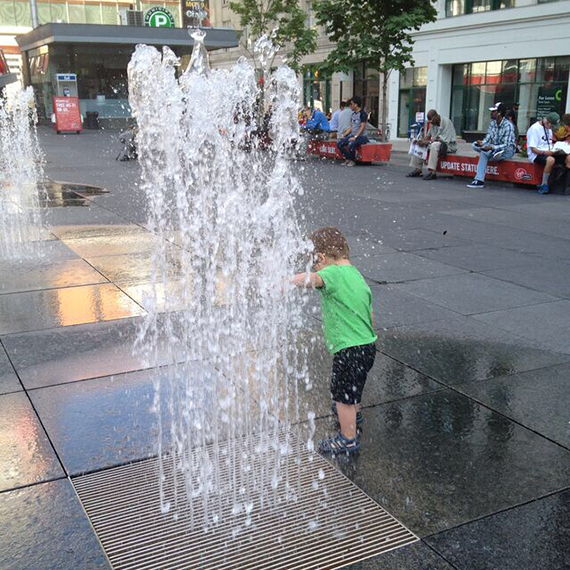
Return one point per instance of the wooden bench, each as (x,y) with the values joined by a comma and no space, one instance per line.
(517,171)
(367,153)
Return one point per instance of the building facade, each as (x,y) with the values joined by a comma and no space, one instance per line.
(477,53)
(480,52)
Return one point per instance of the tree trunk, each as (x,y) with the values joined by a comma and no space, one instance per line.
(385,74)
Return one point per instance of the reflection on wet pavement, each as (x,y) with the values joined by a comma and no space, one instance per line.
(64,194)
(67,354)
(44,527)
(112,244)
(8,379)
(418,455)
(26,455)
(21,312)
(48,275)
(134,268)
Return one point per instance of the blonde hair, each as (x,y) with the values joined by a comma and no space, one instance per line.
(330,242)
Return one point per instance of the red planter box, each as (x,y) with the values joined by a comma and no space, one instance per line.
(371,152)
(504,171)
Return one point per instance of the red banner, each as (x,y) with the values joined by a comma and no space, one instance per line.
(515,171)
(67,115)
(371,152)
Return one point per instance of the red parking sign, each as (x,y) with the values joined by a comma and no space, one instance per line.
(67,115)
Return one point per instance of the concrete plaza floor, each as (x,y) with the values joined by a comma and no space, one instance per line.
(467,431)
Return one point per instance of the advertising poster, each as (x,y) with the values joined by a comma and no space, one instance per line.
(195,13)
(67,115)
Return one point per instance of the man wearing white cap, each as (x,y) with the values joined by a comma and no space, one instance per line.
(540,148)
(499,143)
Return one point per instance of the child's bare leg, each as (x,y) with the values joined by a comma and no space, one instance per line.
(347,419)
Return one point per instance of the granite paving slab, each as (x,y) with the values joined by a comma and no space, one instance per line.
(393,308)
(534,222)
(8,380)
(472,293)
(417,556)
(461,350)
(365,246)
(396,267)
(44,527)
(539,399)
(530,537)
(47,275)
(478,257)
(37,310)
(110,421)
(387,381)
(419,239)
(547,324)
(67,354)
(26,455)
(101,422)
(88,216)
(81,232)
(545,275)
(48,252)
(439,460)
(134,268)
(112,244)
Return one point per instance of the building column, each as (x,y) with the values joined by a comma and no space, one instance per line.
(393,102)
(438,92)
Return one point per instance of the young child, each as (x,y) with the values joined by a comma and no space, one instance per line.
(346,303)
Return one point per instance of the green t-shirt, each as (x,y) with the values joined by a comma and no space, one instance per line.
(346,303)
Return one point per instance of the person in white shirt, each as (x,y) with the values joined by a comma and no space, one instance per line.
(539,144)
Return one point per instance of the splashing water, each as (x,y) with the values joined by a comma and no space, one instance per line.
(228,242)
(21,169)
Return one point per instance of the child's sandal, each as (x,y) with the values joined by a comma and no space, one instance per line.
(339,444)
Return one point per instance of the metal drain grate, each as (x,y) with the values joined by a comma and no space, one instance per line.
(331,524)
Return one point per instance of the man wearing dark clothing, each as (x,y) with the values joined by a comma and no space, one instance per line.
(354,136)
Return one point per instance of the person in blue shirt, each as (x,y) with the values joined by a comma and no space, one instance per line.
(318,123)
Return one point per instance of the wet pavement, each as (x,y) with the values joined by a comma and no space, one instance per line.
(467,431)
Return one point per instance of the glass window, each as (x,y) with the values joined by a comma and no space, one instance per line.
(481,5)
(531,87)
(92,13)
(76,13)
(461,7)
(8,13)
(407,78)
(420,76)
(23,14)
(477,75)
(109,15)
(460,73)
(527,70)
(493,72)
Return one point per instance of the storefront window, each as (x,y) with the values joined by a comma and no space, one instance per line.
(367,86)
(316,89)
(532,87)
(461,7)
(413,82)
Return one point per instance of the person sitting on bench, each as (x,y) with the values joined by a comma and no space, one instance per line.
(354,136)
(540,148)
(498,144)
(441,139)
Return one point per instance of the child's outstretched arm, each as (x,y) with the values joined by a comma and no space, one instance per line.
(308,280)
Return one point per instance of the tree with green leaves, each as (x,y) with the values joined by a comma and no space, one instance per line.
(282,20)
(376,32)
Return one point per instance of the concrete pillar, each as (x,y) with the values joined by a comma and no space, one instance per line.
(393,102)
